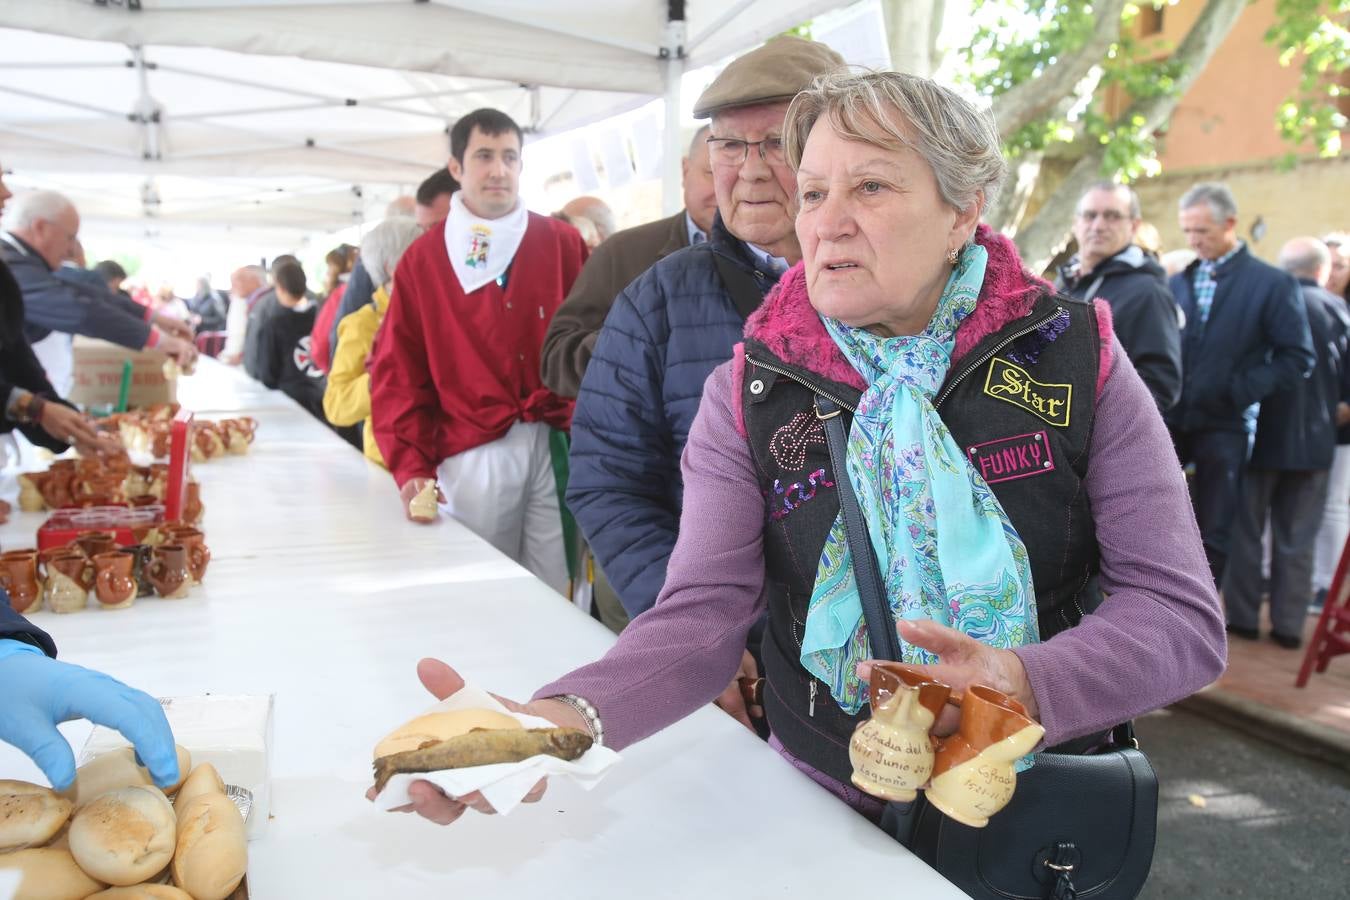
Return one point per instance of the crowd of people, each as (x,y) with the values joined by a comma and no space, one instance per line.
(1110,447)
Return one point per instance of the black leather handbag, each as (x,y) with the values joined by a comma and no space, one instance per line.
(1081,824)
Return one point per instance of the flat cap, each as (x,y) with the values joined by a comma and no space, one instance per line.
(777,71)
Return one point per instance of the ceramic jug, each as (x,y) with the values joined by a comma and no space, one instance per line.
(194,542)
(19,577)
(30,491)
(973,775)
(192,503)
(92,543)
(140,569)
(69,578)
(892,752)
(169,571)
(114,585)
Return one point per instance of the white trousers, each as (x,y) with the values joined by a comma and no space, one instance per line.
(1335,520)
(505,493)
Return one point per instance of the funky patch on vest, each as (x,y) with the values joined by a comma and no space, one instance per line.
(1012,384)
(1010,458)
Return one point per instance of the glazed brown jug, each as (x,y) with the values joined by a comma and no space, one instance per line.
(199,556)
(192,503)
(114,584)
(168,571)
(892,752)
(140,569)
(95,542)
(973,775)
(69,579)
(19,577)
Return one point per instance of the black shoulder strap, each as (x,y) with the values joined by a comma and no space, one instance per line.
(876,611)
(740,284)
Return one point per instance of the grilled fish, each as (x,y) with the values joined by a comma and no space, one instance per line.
(483,747)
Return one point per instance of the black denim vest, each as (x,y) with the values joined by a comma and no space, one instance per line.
(1020,404)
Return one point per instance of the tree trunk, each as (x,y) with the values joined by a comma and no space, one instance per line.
(1011,204)
(912,29)
(1047,234)
(1031,100)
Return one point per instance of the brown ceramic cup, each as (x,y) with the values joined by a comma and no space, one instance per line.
(168,571)
(114,583)
(95,542)
(19,578)
(69,579)
(192,540)
(192,503)
(140,570)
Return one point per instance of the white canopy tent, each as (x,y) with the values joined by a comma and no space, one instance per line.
(207,111)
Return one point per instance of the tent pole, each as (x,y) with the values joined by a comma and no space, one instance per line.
(672,52)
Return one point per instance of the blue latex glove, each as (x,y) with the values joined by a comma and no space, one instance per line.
(38,693)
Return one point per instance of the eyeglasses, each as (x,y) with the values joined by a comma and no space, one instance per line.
(733,152)
(1110,216)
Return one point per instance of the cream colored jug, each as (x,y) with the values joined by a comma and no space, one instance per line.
(892,752)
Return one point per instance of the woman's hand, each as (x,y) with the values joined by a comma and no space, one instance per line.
(733,700)
(429,801)
(963,661)
(68,425)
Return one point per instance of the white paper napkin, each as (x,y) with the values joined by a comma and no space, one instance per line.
(503,785)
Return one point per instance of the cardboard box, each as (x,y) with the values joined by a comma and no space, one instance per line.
(98,375)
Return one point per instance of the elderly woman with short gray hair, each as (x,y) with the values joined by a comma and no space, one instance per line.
(1009,464)
(346,398)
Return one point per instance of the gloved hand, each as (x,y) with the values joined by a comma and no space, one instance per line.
(39,693)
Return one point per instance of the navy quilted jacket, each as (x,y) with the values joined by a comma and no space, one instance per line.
(662,338)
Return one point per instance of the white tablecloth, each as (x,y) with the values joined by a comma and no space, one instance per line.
(322,594)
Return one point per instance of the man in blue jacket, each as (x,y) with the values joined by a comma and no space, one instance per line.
(1246,336)
(42,234)
(1291,461)
(680,319)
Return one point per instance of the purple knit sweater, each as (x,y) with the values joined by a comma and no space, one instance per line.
(1158,637)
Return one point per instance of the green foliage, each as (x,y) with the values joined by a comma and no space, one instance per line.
(1314,32)
(1016,41)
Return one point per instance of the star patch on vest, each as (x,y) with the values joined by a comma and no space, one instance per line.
(1012,384)
(1010,458)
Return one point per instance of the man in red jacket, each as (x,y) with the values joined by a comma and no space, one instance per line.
(455,391)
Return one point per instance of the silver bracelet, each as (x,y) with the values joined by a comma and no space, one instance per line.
(588,712)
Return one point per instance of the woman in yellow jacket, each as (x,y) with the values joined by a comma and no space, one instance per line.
(346,401)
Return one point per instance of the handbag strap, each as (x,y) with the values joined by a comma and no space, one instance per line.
(881,633)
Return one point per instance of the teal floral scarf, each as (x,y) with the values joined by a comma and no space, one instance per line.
(944,545)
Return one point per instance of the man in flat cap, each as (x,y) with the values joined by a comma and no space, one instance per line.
(680,319)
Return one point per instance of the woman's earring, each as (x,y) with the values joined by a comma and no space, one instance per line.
(953,255)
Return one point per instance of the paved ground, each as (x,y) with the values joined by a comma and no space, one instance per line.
(1240,817)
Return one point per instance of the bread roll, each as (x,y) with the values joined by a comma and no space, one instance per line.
(212,854)
(49,874)
(117,769)
(143,892)
(125,836)
(441,726)
(203,780)
(30,815)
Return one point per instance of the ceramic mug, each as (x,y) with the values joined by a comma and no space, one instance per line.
(973,775)
(192,539)
(114,584)
(69,578)
(19,577)
(93,543)
(168,571)
(192,503)
(140,568)
(892,752)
